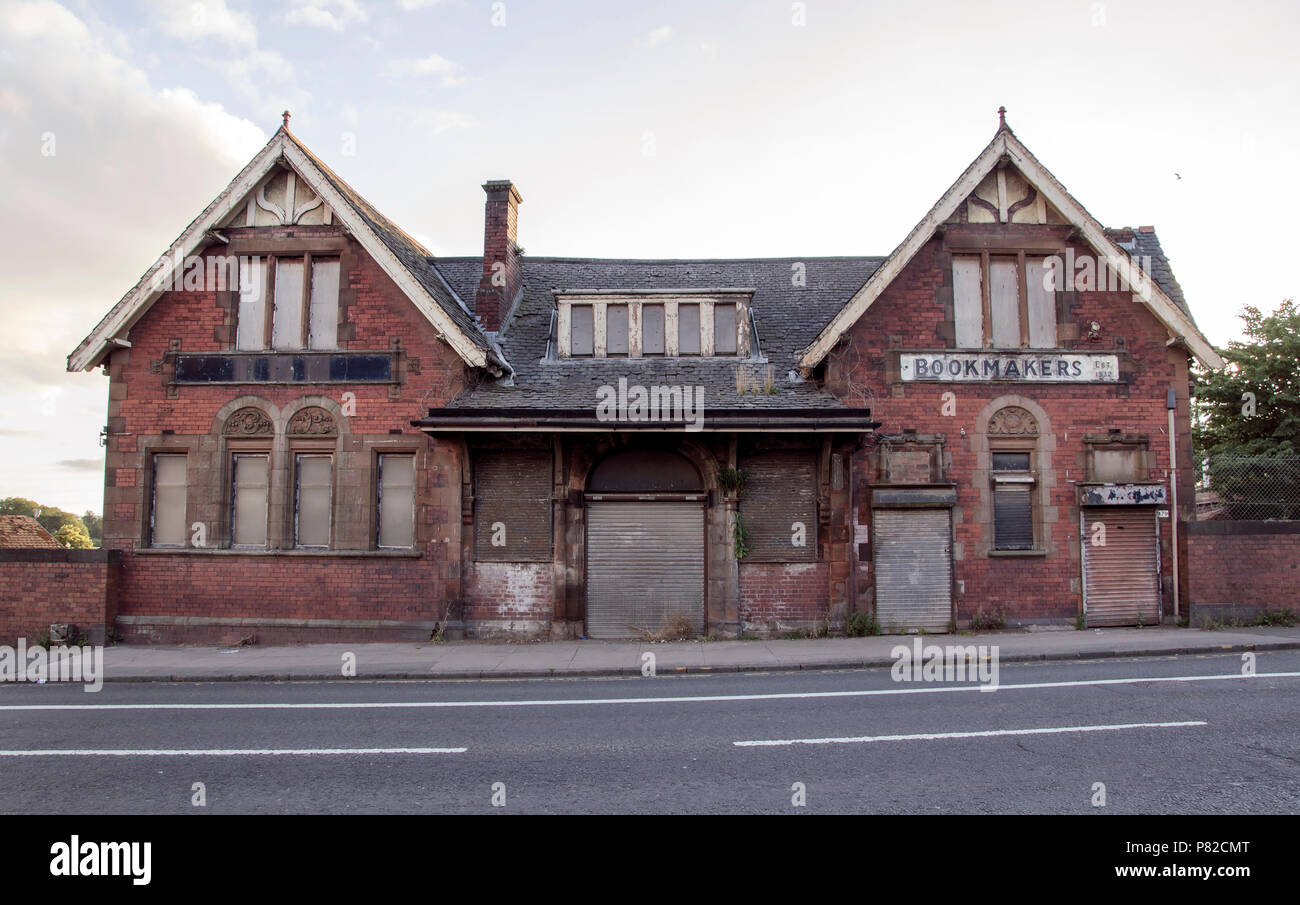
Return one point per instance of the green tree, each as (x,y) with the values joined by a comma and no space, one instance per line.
(1252,405)
(94,527)
(51,517)
(74,536)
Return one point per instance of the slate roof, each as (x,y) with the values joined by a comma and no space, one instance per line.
(1142,242)
(788,318)
(24,531)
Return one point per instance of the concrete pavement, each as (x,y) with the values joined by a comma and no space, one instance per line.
(477,660)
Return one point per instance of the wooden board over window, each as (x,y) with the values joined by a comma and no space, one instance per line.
(512,506)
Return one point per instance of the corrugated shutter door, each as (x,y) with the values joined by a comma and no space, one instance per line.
(913,555)
(644,561)
(1121,584)
(512,503)
(780,490)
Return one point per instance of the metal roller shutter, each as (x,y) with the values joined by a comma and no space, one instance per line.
(1121,580)
(512,489)
(913,555)
(780,490)
(644,561)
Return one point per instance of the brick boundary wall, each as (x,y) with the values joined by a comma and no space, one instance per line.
(1235,570)
(229,598)
(40,588)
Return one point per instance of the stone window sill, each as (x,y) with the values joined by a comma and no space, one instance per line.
(1011,554)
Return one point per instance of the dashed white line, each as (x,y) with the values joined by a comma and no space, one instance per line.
(985,733)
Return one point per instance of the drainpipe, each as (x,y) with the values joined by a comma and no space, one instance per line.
(1171,403)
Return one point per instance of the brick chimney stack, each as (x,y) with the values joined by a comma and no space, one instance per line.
(502,274)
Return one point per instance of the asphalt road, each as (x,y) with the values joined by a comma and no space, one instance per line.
(595,745)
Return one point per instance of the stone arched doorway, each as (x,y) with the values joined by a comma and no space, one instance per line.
(645,516)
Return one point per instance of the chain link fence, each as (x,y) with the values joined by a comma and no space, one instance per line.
(1246,488)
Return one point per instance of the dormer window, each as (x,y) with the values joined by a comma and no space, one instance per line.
(304,311)
(647,325)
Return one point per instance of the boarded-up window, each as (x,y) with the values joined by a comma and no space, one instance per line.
(1013,504)
(512,506)
(724,329)
(1117,466)
(286,323)
(169,497)
(778,506)
(616,330)
(312,492)
(582,334)
(251,324)
(324,318)
(688,329)
(397,501)
(1042,305)
(968,304)
(1004,302)
(652,329)
(248,499)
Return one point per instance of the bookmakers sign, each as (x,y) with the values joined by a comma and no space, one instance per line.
(1022,367)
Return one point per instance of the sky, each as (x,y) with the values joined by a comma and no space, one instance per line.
(694,129)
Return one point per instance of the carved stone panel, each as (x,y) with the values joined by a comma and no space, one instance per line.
(1013,421)
(312,422)
(249,422)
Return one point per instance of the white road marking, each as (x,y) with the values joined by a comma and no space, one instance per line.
(689,699)
(219,752)
(987,733)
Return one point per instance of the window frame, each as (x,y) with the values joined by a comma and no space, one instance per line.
(567,322)
(1027,478)
(269,262)
(297,455)
(153,498)
(380,454)
(1027,325)
(232,456)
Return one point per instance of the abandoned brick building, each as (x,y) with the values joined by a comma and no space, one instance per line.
(317,430)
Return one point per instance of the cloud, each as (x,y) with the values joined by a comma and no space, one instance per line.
(90,142)
(250,69)
(81,464)
(660,35)
(413,5)
(201,19)
(334,15)
(432,65)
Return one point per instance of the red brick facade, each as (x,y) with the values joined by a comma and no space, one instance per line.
(933,442)
(353,591)
(911,315)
